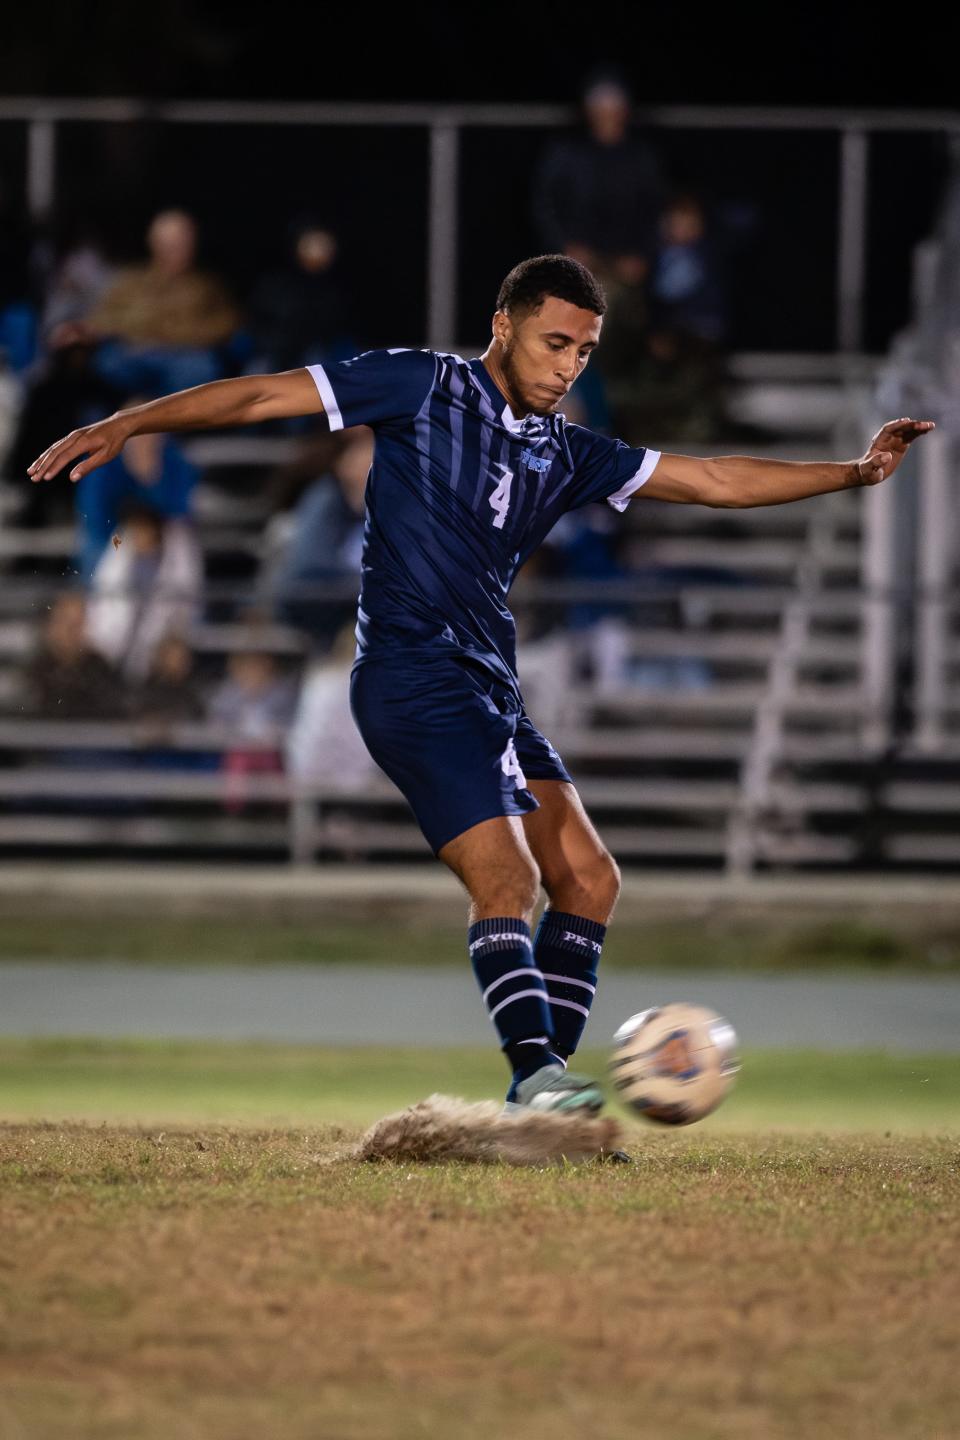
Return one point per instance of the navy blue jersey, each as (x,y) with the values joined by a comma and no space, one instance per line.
(460,494)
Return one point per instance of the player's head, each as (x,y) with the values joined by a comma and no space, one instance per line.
(547,323)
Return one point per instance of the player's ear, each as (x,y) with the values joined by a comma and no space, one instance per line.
(502,327)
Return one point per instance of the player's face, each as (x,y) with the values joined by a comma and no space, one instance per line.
(542,354)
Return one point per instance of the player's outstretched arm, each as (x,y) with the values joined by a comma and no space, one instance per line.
(223,402)
(741,480)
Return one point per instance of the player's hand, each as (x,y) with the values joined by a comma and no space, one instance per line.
(99,443)
(888,447)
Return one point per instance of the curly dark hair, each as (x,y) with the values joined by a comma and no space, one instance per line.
(532,281)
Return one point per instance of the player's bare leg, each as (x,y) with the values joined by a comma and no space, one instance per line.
(495,863)
(578,872)
(582,882)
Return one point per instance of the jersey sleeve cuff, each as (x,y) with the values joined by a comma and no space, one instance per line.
(621,497)
(330,407)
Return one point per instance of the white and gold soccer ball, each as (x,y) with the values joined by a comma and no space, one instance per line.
(674,1063)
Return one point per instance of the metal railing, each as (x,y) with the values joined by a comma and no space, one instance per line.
(443,125)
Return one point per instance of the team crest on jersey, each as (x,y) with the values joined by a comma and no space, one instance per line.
(537,463)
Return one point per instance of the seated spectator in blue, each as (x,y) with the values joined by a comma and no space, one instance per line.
(300,315)
(321,544)
(165,325)
(255,704)
(254,701)
(151,471)
(687,287)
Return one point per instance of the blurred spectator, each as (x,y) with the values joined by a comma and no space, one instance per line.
(169,692)
(150,471)
(163,322)
(598,194)
(599,630)
(687,290)
(18,315)
(255,703)
(319,541)
(66,393)
(147,584)
(661,351)
(299,315)
(79,282)
(67,678)
(324,744)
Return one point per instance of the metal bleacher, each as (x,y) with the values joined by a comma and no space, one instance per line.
(745,738)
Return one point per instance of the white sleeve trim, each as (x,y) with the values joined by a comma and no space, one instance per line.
(330,407)
(621,497)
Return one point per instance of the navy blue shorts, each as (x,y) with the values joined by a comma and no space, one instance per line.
(456,743)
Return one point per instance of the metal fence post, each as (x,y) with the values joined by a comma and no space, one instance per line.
(878,628)
(935,536)
(852,241)
(442,229)
(41,167)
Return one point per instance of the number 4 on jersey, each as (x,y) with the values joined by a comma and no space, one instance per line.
(500,499)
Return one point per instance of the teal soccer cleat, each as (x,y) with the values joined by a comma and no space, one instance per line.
(553,1090)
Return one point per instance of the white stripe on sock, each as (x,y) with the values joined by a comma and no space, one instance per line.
(570,1005)
(530,970)
(565,980)
(541,994)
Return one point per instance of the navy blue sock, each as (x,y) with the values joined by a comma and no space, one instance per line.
(567,951)
(514,993)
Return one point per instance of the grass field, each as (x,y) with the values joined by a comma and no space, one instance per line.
(887,942)
(159,1082)
(784,1271)
(234,1286)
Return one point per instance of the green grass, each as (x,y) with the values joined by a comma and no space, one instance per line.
(152,1082)
(244,1284)
(411,935)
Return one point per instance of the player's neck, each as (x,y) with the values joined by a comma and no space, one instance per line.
(489,360)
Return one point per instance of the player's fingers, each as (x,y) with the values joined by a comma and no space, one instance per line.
(52,461)
(95,458)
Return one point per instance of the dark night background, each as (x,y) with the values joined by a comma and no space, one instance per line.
(772,195)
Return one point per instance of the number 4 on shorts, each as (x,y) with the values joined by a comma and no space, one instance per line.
(510,766)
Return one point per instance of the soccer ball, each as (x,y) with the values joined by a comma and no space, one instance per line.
(674,1063)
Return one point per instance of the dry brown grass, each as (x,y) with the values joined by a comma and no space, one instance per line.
(231,1285)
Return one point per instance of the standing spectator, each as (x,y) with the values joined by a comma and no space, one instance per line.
(147,584)
(67,678)
(163,322)
(597,197)
(598,194)
(300,314)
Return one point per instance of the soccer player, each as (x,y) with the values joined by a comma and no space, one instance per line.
(473,466)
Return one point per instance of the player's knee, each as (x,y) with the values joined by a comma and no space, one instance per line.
(592,890)
(513,891)
(603,882)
